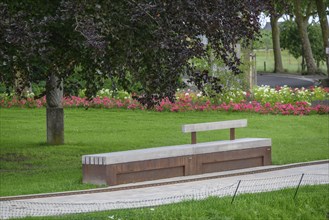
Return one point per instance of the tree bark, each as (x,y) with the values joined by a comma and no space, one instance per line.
(306,45)
(55,112)
(278,67)
(321,8)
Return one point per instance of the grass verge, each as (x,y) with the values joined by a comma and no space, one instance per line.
(290,64)
(310,203)
(28,165)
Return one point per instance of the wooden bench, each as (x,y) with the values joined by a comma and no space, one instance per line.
(180,160)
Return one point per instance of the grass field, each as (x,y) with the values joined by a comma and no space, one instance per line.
(311,204)
(28,165)
(290,64)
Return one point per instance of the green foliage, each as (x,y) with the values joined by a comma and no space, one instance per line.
(5,96)
(218,82)
(75,81)
(315,35)
(290,40)
(264,41)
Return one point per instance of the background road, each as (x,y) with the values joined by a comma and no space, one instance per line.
(294,81)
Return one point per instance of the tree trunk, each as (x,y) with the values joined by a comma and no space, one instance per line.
(278,67)
(247,51)
(55,112)
(321,8)
(306,46)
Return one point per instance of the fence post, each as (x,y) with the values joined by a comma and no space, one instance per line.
(300,181)
(236,190)
(264,66)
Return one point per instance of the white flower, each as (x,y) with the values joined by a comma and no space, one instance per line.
(187,94)
(30,94)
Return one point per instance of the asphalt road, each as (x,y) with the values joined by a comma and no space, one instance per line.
(281,80)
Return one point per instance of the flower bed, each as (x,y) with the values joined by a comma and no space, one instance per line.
(286,95)
(298,108)
(264,100)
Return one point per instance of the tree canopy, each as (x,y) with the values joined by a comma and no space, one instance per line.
(145,42)
(290,40)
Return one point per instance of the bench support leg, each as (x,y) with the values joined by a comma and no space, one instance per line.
(232,133)
(193,137)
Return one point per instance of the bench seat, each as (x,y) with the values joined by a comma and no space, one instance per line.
(172,161)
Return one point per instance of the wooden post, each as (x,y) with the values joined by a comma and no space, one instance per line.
(252,71)
(264,66)
(193,137)
(55,112)
(327,52)
(232,133)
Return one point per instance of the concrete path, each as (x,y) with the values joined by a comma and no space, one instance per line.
(171,190)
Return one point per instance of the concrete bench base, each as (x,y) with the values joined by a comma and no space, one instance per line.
(138,165)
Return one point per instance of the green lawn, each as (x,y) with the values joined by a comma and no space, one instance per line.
(28,165)
(311,203)
(290,64)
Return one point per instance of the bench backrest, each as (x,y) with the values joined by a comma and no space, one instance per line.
(193,128)
(214,125)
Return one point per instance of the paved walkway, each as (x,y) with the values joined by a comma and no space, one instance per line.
(171,190)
